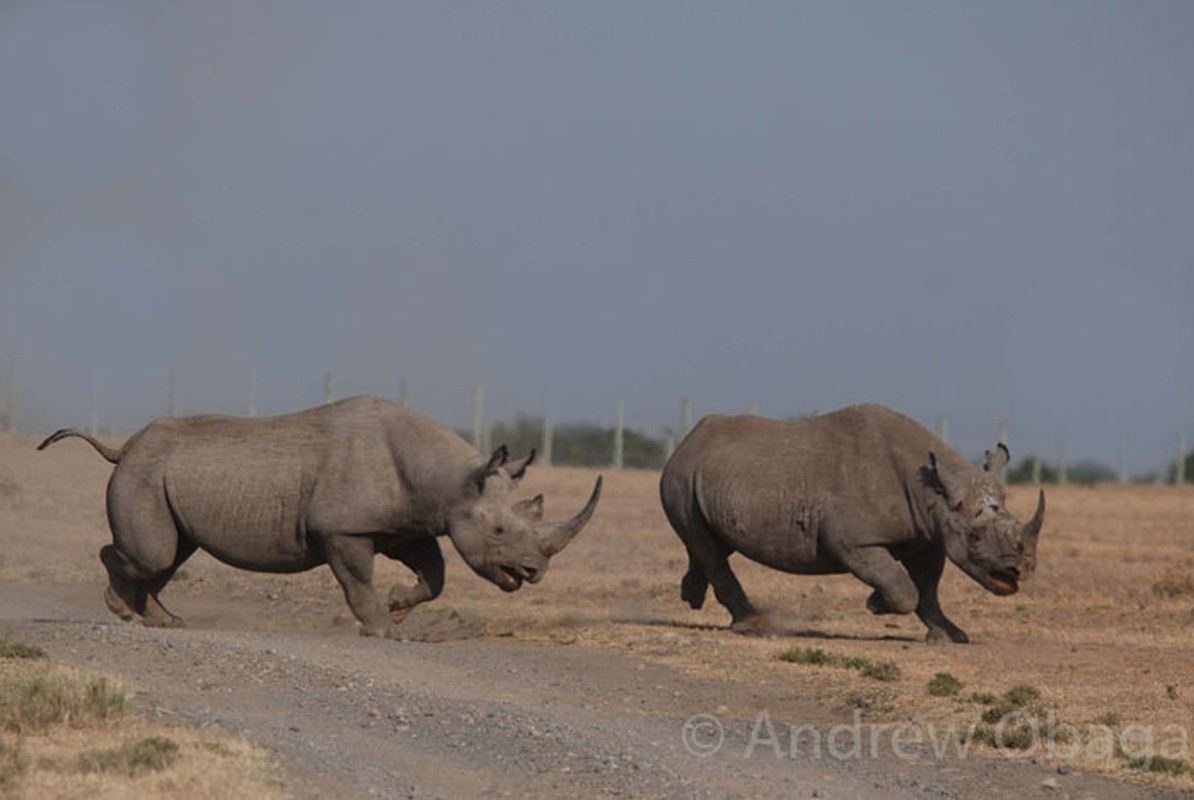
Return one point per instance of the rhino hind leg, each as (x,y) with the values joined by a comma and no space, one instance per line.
(157,615)
(133,588)
(708,563)
(695,586)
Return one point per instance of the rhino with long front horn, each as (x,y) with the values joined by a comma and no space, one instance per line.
(863,490)
(332,485)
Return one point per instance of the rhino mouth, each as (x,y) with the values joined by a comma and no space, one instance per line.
(507,579)
(1005,581)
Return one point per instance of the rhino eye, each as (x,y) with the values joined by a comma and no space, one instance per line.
(499,530)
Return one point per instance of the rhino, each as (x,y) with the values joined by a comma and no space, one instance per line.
(334,484)
(862,490)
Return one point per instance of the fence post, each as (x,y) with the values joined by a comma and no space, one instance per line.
(685,417)
(172,409)
(619,443)
(1062,477)
(478,416)
(402,397)
(253,392)
(93,420)
(329,389)
(8,420)
(1179,467)
(1123,461)
(669,448)
(1036,470)
(943,429)
(10,406)
(547,434)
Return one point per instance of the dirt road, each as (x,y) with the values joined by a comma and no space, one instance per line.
(583,684)
(476,716)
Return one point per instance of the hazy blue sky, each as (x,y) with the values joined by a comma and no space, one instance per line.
(978,210)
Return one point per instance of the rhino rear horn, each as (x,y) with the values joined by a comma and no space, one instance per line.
(555,537)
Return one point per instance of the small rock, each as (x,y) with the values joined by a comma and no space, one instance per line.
(1064,769)
(1049,783)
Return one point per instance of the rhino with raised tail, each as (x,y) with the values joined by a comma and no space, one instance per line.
(863,490)
(333,484)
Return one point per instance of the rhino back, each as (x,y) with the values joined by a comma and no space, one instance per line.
(773,489)
(250,490)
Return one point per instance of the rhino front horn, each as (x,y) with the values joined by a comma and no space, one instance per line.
(556,537)
(1031,531)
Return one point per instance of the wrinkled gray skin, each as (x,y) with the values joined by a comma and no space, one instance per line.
(862,490)
(334,484)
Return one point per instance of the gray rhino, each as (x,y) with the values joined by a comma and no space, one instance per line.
(333,484)
(863,490)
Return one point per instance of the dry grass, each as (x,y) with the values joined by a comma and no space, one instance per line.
(66,734)
(1102,630)
(1176,581)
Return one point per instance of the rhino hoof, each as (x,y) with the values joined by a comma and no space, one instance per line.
(379,632)
(163,622)
(939,636)
(754,625)
(117,605)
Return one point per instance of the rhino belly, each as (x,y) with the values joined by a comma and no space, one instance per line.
(254,526)
(772,529)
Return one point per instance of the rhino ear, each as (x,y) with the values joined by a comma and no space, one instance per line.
(998,460)
(497,459)
(951,486)
(519,468)
(491,467)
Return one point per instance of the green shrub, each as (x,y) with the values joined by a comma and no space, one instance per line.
(877,670)
(56,696)
(1160,764)
(944,685)
(151,754)
(1021,695)
(9,649)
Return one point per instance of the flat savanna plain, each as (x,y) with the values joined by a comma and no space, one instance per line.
(1103,630)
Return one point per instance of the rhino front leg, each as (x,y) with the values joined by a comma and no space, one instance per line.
(424,558)
(925,568)
(351,560)
(895,592)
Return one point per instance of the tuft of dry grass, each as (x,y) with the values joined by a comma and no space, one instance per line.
(944,685)
(52,716)
(878,670)
(147,754)
(1176,581)
(49,694)
(10,649)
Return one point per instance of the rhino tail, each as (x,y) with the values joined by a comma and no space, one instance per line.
(110,453)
